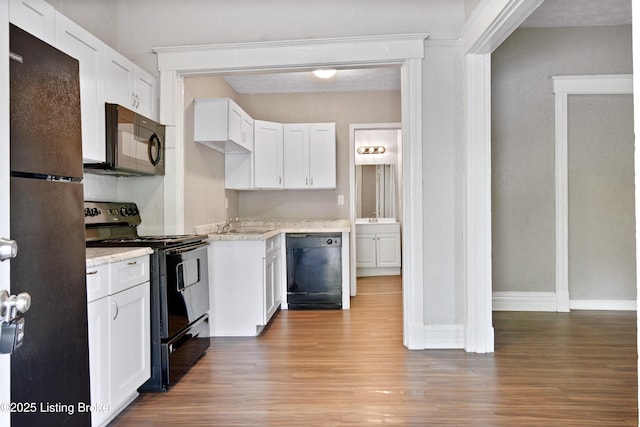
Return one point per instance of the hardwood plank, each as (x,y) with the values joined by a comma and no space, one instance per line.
(346,368)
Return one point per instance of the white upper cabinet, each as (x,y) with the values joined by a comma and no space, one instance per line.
(268,155)
(222,125)
(36,17)
(322,155)
(310,156)
(296,156)
(89,51)
(129,85)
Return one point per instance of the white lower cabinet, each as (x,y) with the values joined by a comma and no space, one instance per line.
(246,285)
(119,335)
(378,249)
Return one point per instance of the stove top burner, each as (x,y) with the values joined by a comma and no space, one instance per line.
(111,224)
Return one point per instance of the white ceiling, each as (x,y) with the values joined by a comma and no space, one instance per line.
(580,13)
(362,79)
(552,13)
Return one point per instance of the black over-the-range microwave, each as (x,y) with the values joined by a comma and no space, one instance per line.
(134,144)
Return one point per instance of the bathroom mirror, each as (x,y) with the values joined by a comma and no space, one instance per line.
(376,150)
(376,191)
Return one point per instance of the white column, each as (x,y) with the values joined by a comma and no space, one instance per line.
(479,328)
(412,245)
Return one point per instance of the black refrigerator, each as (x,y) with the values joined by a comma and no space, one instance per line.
(50,370)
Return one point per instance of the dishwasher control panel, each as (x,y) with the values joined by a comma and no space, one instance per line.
(331,241)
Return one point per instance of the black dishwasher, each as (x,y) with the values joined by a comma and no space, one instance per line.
(314,270)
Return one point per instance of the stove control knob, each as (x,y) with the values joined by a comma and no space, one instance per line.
(92,212)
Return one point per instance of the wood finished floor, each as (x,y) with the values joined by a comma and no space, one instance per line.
(349,368)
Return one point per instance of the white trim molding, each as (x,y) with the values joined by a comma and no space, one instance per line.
(524,301)
(176,63)
(444,336)
(479,331)
(546,301)
(563,86)
(491,22)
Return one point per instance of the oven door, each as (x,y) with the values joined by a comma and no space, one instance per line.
(185,288)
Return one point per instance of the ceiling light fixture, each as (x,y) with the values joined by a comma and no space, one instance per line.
(324,73)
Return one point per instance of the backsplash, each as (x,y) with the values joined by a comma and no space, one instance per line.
(100,188)
(146,191)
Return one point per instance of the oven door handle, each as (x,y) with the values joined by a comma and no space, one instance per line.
(183,249)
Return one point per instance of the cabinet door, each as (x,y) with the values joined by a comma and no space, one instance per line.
(322,155)
(118,87)
(130,341)
(145,89)
(240,127)
(296,155)
(272,285)
(99,357)
(36,17)
(268,155)
(388,250)
(89,51)
(365,250)
(269,284)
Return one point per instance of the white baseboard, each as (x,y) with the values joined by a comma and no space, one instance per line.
(524,301)
(621,305)
(443,336)
(546,301)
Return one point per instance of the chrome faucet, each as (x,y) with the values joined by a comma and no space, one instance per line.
(227,225)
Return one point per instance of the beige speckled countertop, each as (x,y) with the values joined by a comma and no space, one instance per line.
(99,256)
(273,227)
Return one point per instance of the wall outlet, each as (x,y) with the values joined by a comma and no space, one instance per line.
(226,203)
(340,200)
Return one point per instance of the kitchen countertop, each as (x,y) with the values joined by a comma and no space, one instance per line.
(99,256)
(274,227)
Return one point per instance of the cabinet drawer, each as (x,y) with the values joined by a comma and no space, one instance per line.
(125,274)
(271,244)
(97,282)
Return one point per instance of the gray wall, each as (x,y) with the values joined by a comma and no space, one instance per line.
(204,192)
(602,246)
(523,144)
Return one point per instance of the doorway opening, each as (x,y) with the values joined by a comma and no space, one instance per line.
(407,51)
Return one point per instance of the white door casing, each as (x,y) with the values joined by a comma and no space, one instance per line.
(176,63)
(488,26)
(563,86)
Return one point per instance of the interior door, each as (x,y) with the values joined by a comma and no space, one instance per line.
(5,371)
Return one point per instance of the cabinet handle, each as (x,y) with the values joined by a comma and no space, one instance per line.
(117,310)
(132,262)
(89,273)
(133,100)
(312,181)
(306,181)
(279,180)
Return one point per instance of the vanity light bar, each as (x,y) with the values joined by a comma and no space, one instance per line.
(378,149)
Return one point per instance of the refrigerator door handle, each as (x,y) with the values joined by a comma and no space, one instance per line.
(8,249)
